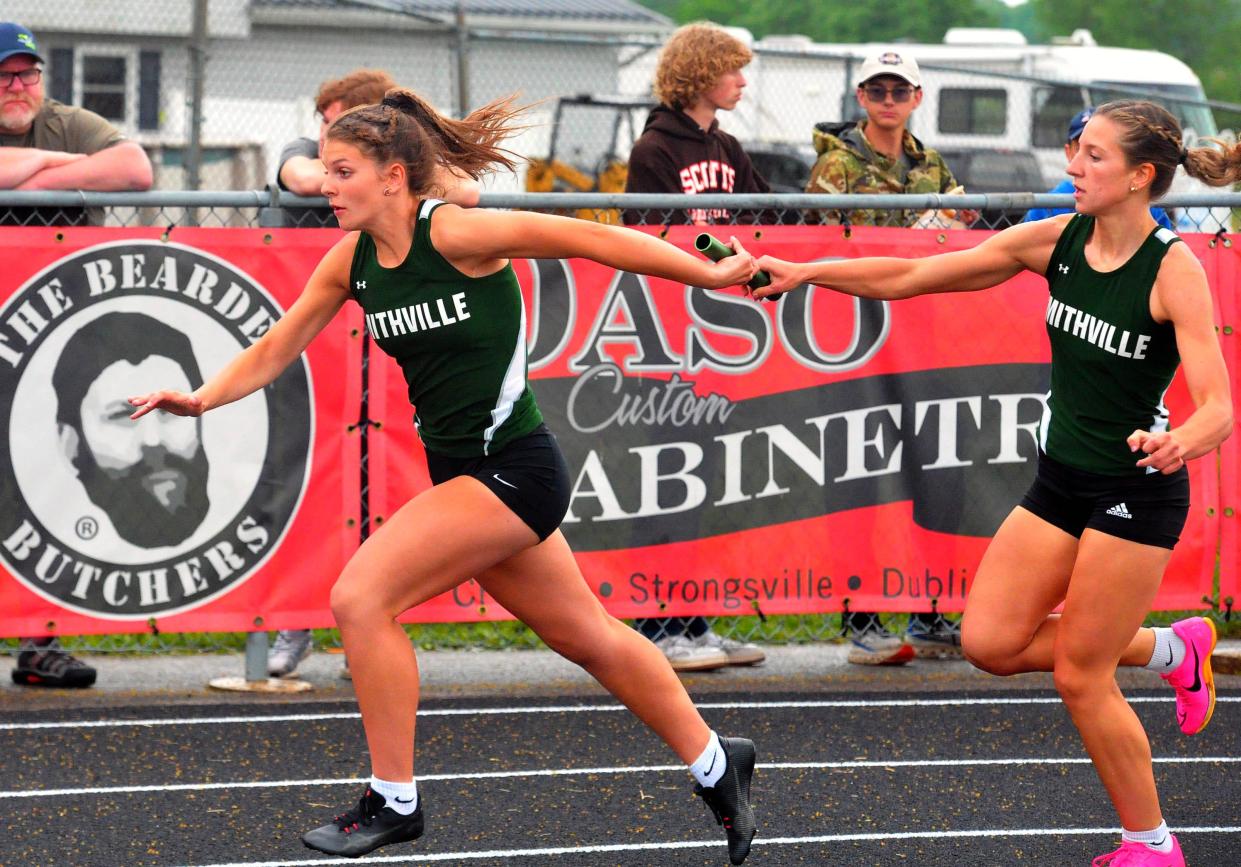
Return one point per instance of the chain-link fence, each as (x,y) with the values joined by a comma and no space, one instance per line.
(262,208)
(1210,212)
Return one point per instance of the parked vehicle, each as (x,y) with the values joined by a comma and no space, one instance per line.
(995,171)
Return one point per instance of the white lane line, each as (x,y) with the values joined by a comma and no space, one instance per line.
(759,842)
(569,708)
(573,772)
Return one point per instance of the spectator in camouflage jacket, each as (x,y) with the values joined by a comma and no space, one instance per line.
(879,154)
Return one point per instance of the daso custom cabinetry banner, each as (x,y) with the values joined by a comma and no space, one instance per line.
(732,457)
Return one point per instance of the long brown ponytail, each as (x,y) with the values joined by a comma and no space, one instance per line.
(404,128)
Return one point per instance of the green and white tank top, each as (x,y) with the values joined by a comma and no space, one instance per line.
(460,342)
(1111,362)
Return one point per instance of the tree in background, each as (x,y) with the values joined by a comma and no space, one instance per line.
(890,21)
(1203,33)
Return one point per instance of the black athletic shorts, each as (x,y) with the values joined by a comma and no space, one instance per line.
(529,476)
(1150,509)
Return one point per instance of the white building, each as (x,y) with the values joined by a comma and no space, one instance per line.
(129,60)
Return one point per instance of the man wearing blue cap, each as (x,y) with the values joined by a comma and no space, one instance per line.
(1071,144)
(48,146)
(45,145)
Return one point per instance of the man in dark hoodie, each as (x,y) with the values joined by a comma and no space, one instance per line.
(682,148)
(879,154)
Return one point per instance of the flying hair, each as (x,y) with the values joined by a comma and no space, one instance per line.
(404,128)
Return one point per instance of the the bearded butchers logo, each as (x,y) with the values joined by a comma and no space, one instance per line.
(124,519)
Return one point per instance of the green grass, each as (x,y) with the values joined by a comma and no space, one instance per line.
(512,635)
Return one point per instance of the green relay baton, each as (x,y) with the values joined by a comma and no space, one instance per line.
(715,250)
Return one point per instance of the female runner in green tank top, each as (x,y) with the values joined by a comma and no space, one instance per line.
(439,295)
(1096,530)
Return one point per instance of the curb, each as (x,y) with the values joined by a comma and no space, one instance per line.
(1226,660)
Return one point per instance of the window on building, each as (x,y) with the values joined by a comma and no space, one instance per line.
(119,84)
(104,84)
(978,111)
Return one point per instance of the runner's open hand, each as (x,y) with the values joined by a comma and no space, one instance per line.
(175,402)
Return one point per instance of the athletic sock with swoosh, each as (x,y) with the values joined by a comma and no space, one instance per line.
(400,797)
(1170,651)
(709,767)
(1159,839)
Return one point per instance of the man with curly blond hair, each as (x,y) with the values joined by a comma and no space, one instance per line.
(682,148)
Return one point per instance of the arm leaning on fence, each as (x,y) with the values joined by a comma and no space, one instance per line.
(1027,246)
(123,166)
(260,363)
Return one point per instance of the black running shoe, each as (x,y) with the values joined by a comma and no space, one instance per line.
(365,828)
(51,666)
(729,798)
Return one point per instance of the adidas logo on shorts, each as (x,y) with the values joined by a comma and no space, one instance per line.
(1120,511)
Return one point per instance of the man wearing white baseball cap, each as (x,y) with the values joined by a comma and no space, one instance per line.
(879,154)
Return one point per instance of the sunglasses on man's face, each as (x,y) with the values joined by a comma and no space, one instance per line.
(878,93)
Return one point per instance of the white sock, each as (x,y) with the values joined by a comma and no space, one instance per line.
(1158,839)
(1169,652)
(709,767)
(402,797)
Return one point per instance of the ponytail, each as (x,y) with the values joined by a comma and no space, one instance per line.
(404,128)
(1214,166)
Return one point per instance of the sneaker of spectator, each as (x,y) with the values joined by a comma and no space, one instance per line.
(933,637)
(879,648)
(290,648)
(738,652)
(42,662)
(684,654)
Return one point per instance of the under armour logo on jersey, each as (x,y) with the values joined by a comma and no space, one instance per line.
(1064,269)
(359,285)
(1120,511)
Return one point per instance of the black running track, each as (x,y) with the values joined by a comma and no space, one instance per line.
(902,778)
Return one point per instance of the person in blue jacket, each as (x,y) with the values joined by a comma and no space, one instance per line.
(1071,145)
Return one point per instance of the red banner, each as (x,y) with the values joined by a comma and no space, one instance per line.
(240,519)
(727,457)
(789,457)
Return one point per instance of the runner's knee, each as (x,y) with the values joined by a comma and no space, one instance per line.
(991,651)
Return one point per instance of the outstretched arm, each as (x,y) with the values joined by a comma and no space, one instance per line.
(1182,296)
(476,238)
(1019,248)
(265,359)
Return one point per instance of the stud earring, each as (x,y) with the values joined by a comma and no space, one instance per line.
(387,192)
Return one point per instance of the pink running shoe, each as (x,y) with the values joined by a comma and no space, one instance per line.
(1141,855)
(1192,680)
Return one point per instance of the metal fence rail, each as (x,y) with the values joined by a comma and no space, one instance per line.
(1202,212)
